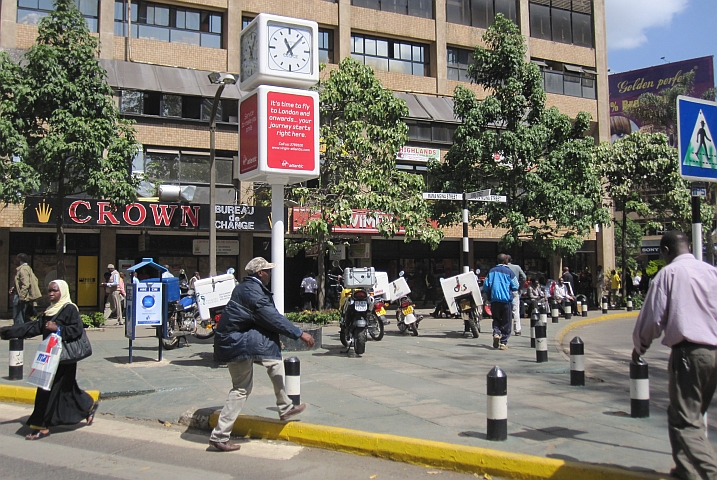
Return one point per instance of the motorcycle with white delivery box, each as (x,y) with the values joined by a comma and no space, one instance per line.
(463,296)
(355,306)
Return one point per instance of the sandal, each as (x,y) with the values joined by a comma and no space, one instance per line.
(91,415)
(38,435)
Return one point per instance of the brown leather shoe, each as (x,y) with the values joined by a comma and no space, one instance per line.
(295,410)
(224,446)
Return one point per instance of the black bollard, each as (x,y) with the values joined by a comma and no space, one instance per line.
(639,390)
(604,305)
(292,379)
(16,359)
(568,310)
(541,342)
(554,311)
(534,319)
(577,362)
(497,405)
(629,303)
(585,308)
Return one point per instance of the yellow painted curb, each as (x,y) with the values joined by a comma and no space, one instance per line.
(427,453)
(588,321)
(18,394)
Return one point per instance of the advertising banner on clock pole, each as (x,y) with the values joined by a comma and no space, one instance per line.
(279,135)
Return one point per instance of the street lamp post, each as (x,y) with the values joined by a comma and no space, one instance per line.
(222,80)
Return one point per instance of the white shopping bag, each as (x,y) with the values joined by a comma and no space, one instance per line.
(45,362)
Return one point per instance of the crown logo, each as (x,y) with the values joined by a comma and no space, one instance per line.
(43,212)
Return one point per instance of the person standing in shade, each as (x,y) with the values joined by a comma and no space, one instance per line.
(247,333)
(599,285)
(25,291)
(308,291)
(500,284)
(681,304)
(194,278)
(115,297)
(569,279)
(520,275)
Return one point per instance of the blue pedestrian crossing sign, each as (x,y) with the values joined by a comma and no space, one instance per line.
(696,124)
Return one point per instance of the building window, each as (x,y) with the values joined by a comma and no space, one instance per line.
(458,61)
(390,55)
(415,8)
(186,107)
(564,21)
(430,132)
(326,46)
(167,23)
(571,80)
(32,11)
(480,13)
(181,168)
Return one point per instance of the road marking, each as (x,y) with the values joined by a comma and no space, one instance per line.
(170,437)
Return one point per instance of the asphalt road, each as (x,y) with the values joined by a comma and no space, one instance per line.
(126,449)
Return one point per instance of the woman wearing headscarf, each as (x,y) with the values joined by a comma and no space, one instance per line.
(65,403)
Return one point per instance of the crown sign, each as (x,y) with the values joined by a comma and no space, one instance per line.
(43,212)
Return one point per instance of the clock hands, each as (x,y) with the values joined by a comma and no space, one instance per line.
(289,47)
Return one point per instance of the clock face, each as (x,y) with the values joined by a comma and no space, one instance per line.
(290,49)
(249,54)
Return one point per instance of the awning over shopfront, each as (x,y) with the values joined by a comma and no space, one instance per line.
(428,107)
(156,78)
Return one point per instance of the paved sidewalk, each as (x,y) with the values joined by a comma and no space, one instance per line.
(428,387)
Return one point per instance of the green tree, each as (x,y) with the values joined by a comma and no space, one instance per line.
(362,130)
(537,157)
(632,243)
(642,176)
(61,133)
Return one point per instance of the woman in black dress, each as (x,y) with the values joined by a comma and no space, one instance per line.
(65,403)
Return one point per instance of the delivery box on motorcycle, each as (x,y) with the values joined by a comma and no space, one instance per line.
(454,287)
(380,289)
(213,292)
(359,277)
(397,289)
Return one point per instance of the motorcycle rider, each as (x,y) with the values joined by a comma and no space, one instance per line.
(248,333)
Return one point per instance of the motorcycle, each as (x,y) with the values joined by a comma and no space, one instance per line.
(183,318)
(470,313)
(356,307)
(377,319)
(405,318)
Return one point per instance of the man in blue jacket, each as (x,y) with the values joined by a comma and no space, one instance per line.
(500,284)
(247,333)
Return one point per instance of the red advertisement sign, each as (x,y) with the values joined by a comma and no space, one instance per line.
(360,221)
(290,132)
(249,135)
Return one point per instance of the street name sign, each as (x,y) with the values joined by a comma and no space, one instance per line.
(490,198)
(442,196)
(696,126)
(479,193)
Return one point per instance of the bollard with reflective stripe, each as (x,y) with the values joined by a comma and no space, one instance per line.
(554,311)
(541,342)
(577,362)
(497,405)
(629,303)
(543,312)
(639,390)
(585,308)
(16,359)
(604,305)
(292,382)
(534,319)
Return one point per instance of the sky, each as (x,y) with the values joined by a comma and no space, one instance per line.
(641,32)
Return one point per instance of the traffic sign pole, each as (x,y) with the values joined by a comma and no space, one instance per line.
(466,242)
(696,225)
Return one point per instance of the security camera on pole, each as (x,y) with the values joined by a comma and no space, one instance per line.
(278,118)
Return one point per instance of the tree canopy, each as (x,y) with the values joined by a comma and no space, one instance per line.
(539,158)
(60,131)
(362,131)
